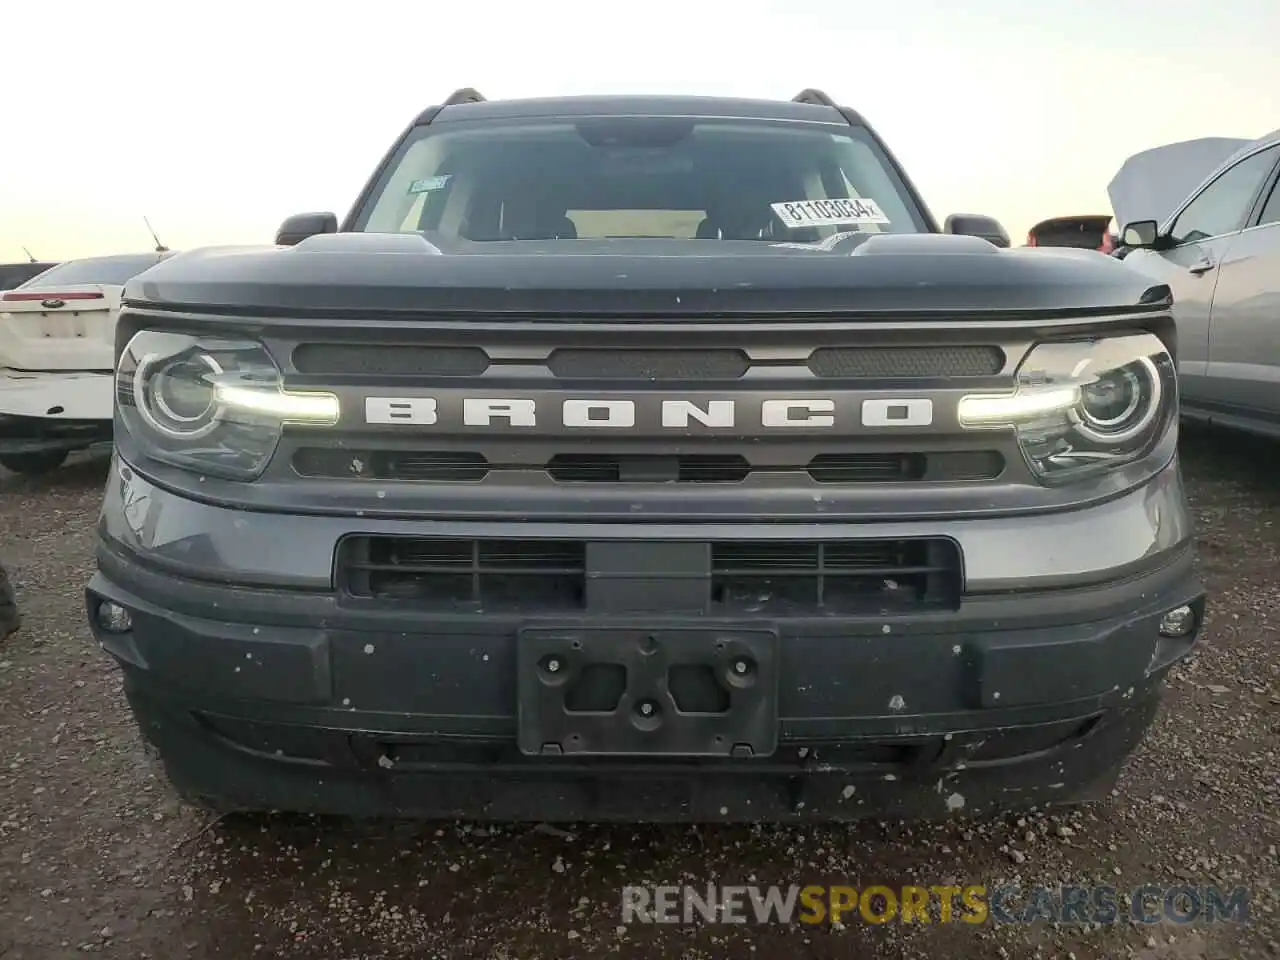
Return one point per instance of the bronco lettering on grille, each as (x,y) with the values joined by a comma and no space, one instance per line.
(611,413)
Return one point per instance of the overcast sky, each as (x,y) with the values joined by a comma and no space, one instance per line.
(219,119)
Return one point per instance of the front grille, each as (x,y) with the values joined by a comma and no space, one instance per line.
(769,576)
(912,362)
(646,364)
(392,360)
(846,575)
(466,574)
(448,466)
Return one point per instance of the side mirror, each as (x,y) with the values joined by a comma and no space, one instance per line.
(1140,234)
(302,225)
(975,225)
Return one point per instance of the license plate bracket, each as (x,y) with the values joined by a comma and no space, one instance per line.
(647,719)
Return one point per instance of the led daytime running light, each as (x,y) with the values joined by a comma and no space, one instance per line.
(289,407)
(986,410)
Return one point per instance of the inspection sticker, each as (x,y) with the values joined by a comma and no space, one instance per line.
(429,184)
(829,213)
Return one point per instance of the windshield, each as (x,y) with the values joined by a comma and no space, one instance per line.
(664,177)
(12,274)
(109,270)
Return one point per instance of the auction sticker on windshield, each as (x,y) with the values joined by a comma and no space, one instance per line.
(829,213)
(429,184)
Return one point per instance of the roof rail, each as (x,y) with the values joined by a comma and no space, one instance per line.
(465,95)
(813,95)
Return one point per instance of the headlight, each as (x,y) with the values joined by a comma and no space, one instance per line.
(1085,405)
(216,406)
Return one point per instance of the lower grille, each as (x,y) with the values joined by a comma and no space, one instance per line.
(607,468)
(450,466)
(791,578)
(480,574)
(844,575)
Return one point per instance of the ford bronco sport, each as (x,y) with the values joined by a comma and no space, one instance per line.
(643,458)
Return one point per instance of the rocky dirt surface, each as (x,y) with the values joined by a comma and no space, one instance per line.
(97,857)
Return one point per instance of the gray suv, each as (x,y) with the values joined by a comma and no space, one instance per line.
(1219,252)
(644,458)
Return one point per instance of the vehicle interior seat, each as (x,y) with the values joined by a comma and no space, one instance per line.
(522,219)
(737,222)
(537,218)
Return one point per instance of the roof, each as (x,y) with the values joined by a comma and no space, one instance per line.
(124,257)
(1271,138)
(580,106)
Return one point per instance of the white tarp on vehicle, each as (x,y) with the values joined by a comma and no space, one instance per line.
(1152,184)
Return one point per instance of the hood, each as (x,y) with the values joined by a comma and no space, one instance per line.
(393,275)
(1152,184)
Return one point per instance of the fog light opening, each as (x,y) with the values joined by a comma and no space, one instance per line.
(1178,622)
(113,618)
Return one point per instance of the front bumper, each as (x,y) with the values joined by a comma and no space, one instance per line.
(41,412)
(262,685)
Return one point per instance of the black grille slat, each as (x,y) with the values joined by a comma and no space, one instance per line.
(449,466)
(595,364)
(713,469)
(389,360)
(609,468)
(446,466)
(435,466)
(907,362)
(584,468)
(934,467)
(868,468)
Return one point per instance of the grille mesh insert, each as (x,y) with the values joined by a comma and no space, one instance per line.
(913,362)
(389,360)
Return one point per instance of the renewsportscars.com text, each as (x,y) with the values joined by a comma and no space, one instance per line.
(939,903)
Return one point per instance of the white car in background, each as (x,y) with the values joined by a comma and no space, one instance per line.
(57,334)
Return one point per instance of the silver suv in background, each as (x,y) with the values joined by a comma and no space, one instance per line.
(1219,251)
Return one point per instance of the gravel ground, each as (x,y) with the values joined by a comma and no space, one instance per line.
(97,857)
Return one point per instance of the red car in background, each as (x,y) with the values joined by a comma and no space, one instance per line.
(1089,232)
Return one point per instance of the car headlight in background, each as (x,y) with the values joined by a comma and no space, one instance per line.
(1084,405)
(212,405)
